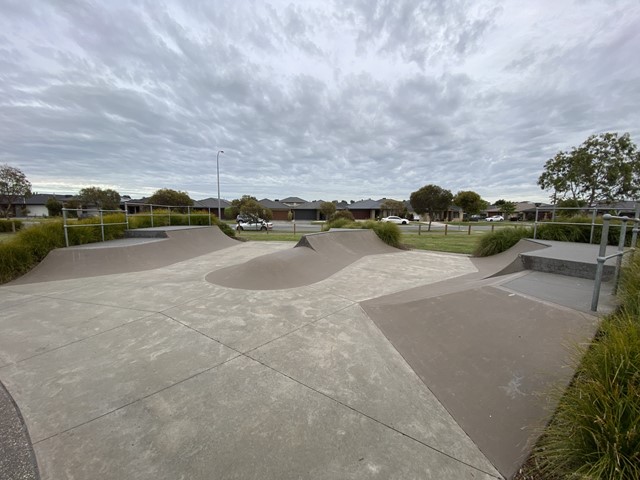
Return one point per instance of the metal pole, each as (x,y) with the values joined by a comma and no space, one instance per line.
(535,226)
(218,177)
(623,235)
(151,210)
(593,224)
(126,215)
(101,224)
(634,232)
(601,259)
(64,221)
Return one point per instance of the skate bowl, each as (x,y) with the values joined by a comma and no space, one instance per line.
(148,249)
(315,257)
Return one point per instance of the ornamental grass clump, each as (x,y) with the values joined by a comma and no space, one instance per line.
(500,240)
(595,432)
(389,233)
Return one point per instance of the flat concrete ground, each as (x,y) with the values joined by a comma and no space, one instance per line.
(162,375)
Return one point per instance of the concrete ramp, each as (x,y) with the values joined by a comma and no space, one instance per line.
(509,261)
(316,256)
(162,247)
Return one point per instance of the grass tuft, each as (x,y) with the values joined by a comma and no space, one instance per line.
(500,240)
(389,233)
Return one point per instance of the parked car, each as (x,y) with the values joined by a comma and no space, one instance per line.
(495,218)
(394,219)
(245,223)
(476,218)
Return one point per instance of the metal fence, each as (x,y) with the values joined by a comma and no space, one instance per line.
(143,210)
(602,254)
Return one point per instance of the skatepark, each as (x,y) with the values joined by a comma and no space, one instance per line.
(193,355)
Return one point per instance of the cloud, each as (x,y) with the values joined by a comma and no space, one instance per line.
(333,100)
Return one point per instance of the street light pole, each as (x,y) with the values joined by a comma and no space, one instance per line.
(218,176)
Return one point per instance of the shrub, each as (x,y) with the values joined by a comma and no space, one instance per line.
(9,225)
(346,214)
(595,432)
(501,240)
(23,252)
(389,233)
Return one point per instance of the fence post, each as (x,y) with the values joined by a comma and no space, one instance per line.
(621,240)
(294,227)
(126,215)
(446,227)
(101,224)
(419,229)
(593,224)
(64,222)
(469,232)
(601,259)
(151,210)
(634,232)
(493,227)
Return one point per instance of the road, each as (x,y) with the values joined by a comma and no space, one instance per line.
(308,226)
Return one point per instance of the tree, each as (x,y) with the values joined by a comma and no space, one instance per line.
(249,206)
(54,207)
(507,209)
(170,198)
(13,184)
(431,199)
(327,209)
(394,207)
(605,167)
(470,202)
(106,199)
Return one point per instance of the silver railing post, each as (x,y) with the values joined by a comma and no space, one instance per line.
(535,226)
(621,241)
(64,222)
(593,225)
(634,232)
(151,210)
(601,259)
(101,224)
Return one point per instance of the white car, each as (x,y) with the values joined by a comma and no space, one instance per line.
(495,218)
(394,219)
(253,224)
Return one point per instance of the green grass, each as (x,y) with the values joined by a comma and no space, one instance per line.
(495,242)
(6,236)
(270,236)
(453,242)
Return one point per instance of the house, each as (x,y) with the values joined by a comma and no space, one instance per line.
(34,205)
(279,209)
(211,204)
(366,209)
(308,211)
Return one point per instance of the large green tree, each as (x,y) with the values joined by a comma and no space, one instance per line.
(606,167)
(470,202)
(170,198)
(394,207)
(431,199)
(13,184)
(327,209)
(249,206)
(106,199)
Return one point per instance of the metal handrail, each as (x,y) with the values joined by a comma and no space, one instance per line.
(602,254)
(189,214)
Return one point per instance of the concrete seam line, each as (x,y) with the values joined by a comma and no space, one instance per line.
(380,422)
(138,399)
(201,333)
(81,339)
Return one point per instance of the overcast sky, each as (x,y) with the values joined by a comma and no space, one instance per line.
(332,100)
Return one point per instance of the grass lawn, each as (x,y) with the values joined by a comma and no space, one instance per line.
(270,236)
(453,242)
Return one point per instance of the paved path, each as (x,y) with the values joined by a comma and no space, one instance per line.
(160,374)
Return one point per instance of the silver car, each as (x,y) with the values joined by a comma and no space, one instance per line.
(394,219)
(253,224)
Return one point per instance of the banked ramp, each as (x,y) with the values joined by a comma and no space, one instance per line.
(162,247)
(315,257)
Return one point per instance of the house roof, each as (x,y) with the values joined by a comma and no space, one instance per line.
(293,200)
(314,205)
(366,204)
(211,203)
(273,205)
(42,198)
